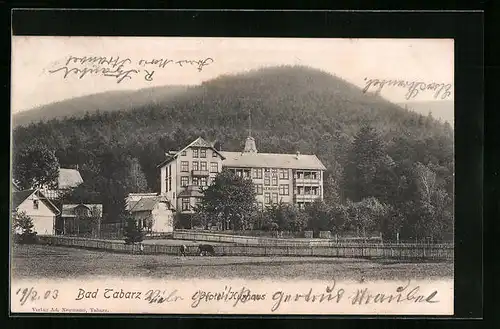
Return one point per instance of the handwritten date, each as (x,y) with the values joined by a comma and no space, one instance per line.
(32,295)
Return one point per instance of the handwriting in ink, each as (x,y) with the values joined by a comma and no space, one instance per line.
(404,294)
(162,62)
(414,87)
(159,297)
(30,294)
(242,295)
(119,73)
(330,295)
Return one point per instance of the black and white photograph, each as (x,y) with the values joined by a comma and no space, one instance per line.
(232,175)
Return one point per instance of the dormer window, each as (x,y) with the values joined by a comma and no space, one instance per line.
(35,204)
(183,153)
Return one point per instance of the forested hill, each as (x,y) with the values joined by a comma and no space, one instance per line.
(105,102)
(292,109)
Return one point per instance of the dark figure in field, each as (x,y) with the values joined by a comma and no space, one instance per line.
(183,250)
(206,249)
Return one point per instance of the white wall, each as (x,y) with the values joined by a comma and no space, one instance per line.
(43,217)
(163,219)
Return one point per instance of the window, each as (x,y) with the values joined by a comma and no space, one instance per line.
(301,205)
(185,204)
(214,167)
(300,175)
(239,173)
(275,198)
(258,189)
(203,181)
(214,154)
(35,204)
(274,172)
(266,172)
(266,181)
(195,153)
(314,175)
(183,153)
(196,165)
(203,153)
(307,190)
(196,181)
(184,181)
(300,190)
(203,165)
(184,166)
(257,173)
(170,183)
(275,180)
(284,174)
(284,189)
(267,197)
(246,173)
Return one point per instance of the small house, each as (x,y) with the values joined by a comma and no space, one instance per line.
(37,206)
(152,212)
(81,219)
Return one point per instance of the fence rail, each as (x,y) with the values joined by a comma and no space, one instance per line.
(386,251)
(261,241)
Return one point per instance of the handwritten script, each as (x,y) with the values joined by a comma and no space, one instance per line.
(228,297)
(121,69)
(414,88)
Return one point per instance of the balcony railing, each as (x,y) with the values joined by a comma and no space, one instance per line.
(306,197)
(200,173)
(307,180)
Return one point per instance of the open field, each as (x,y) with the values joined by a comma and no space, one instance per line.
(39,261)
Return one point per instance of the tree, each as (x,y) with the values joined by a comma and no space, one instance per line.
(365,157)
(229,201)
(35,166)
(133,231)
(23,228)
(319,214)
(286,217)
(367,215)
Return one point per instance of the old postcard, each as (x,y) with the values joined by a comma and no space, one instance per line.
(177,175)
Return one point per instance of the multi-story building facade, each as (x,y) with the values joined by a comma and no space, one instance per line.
(286,178)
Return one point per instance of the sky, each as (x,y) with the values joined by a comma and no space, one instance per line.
(34,58)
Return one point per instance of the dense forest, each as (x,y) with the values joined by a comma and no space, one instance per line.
(371,147)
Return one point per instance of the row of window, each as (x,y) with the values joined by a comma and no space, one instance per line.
(199,153)
(268,199)
(308,190)
(307,175)
(197,181)
(201,165)
(284,189)
(169,178)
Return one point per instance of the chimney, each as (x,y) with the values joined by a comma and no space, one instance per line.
(297,155)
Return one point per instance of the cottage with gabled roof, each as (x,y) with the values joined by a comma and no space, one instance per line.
(287,178)
(153,212)
(81,218)
(37,206)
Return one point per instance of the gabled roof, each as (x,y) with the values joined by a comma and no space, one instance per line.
(272,160)
(147,203)
(199,142)
(21,196)
(69,178)
(68,209)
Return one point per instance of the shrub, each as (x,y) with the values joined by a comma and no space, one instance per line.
(23,223)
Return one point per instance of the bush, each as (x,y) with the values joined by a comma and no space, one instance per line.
(24,223)
(133,232)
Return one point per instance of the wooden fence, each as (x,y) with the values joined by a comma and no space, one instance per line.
(259,241)
(385,251)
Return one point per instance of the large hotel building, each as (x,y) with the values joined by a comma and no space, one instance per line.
(287,178)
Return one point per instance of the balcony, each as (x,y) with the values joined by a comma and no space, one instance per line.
(200,173)
(306,197)
(314,181)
